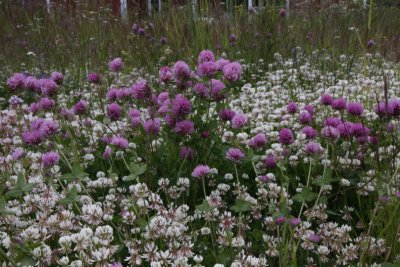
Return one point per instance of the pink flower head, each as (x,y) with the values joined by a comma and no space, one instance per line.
(208,68)
(206,56)
(217,88)
(235,154)
(226,114)
(185,127)
(120,142)
(232,71)
(258,141)
(181,70)
(355,109)
(286,136)
(166,74)
(80,107)
(313,148)
(201,171)
(50,159)
(16,81)
(140,90)
(282,12)
(116,64)
(152,126)
(58,77)
(326,99)
(93,78)
(48,87)
(114,111)
(181,106)
(339,104)
(238,121)
(292,107)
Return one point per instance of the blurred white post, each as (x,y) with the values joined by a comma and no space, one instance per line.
(124,10)
(194,8)
(149,7)
(365,3)
(287,7)
(48,5)
(159,6)
(250,4)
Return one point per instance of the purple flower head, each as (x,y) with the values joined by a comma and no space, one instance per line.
(330,132)
(140,90)
(46,103)
(107,153)
(266,178)
(162,97)
(141,31)
(166,74)
(134,113)
(238,121)
(310,109)
(187,153)
(345,129)
(31,83)
(114,111)
(116,64)
(394,107)
(258,141)
(93,78)
(232,39)
(48,87)
(201,89)
(48,128)
(355,109)
(294,221)
(326,99)
(163,40)
(313,237)
(305,117)
(185,127)
(359,130)
(34,107)
(235,154)
(18,153)
(201,171)
(339,104)
(80,107)
(208,68)
(280,220)
(382,109)
(112,94)
(181,106)
(292,107)
(217,88)
(16,81)
(50,159)
(152,126)
(205,134)
(332,121)
(370,43)
(32,137)
(119,142)
(286,136)
(221,63)
(115,264)
(390,127)
(58,77)
(181,70)
(313,148)
(232,71)
(226,114)
(135,28)
(206,56)
(270,162)
(282,12)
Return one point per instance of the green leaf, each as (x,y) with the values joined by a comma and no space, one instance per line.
(142,168)
(130,177)
(71,197)
(241,205)
(142,223)
(3,210)
(306,195)
(204,207)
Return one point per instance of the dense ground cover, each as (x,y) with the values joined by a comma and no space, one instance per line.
(172,154)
